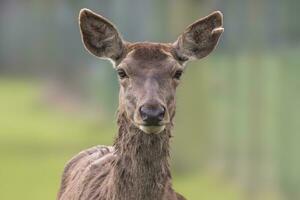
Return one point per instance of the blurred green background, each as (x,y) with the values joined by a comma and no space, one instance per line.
(237,127)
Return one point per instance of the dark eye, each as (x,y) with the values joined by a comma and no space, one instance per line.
(178,74)
(122,74)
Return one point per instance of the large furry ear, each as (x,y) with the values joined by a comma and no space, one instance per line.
(99,36)
(200,38)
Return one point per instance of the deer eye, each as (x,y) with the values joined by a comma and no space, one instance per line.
(178,74)
(122,74)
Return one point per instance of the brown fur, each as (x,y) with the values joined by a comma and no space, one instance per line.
(137,166)
(141,171)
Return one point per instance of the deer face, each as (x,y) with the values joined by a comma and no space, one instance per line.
(148,76)
(149,72)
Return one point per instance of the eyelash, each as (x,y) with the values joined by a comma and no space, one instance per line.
(122,74)
(178,74)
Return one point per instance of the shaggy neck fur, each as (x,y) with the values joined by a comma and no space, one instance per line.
(141,168)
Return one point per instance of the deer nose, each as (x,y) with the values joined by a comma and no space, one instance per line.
(152,115)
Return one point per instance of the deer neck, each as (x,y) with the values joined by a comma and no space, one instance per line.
(142,169)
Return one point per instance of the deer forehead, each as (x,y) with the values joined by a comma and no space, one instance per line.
(149,57)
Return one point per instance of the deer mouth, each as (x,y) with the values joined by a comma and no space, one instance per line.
(152,129)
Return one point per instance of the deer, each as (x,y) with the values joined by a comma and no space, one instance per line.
(137,166)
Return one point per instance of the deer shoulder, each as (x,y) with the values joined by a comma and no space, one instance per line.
(83,164)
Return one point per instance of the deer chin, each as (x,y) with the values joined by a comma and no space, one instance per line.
(152,129)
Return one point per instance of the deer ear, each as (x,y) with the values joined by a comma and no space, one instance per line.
(200,38)
(99,36)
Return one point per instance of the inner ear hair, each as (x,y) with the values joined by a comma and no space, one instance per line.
(100,36)
(200,38)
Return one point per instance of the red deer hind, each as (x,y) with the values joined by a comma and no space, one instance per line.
(137,167)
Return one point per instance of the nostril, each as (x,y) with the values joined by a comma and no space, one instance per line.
(143,113)
(161,113)
(152,115)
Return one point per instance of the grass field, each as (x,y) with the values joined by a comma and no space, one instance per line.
(36,141)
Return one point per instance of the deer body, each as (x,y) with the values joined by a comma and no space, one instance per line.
(136,167)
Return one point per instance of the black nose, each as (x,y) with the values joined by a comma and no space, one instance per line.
(152,115)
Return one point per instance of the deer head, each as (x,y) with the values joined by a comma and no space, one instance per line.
(149,72)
